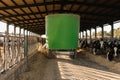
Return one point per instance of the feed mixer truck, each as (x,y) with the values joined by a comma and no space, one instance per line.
(62,32)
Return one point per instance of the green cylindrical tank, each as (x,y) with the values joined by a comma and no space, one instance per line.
(62,31)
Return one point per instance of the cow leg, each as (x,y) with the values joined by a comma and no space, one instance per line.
(94,51)
(115,51)
(109,56)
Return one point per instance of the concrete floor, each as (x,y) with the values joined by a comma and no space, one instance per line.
(65,68)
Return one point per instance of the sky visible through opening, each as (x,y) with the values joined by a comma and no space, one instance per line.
(3,28)
(11,28)
(107,28)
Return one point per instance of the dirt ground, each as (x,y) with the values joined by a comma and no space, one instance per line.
(65,68)
(41,68)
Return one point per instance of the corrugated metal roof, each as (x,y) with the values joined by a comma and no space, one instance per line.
(26,12)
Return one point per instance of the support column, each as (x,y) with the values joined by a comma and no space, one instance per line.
(112,30)
(19,45)
(27,40)
(15,54)
(6,40)
(90,34)
(102,31)
(26,47)
(83,35)
(86,34)
(25,44)
(24,41)
(95,33)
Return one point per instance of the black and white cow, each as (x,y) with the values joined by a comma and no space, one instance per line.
(114,47)
(96,46)
(99,46)
(84,43)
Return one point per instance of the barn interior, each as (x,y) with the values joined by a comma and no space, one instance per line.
(29,17)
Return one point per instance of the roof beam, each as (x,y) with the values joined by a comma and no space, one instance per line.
(46,7)
(16,5)
(72,6)
(34,26)
(88,19)
(39,31)
(66,2)
(10,14)
(34,23)
(41,23)
(38,8)
(62,6)
(53,7)
(27,20)
(3,3)
(38,24)
(29,8)
(79,12)
(16,11)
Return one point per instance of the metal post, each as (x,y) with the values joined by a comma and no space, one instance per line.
(27,41)
(25,44)
(25,49)
(14,46)
(112,30)
(90,34)
(19,47)
(102,32)
(83,35)
(6,47)
(86,34)
(95,33)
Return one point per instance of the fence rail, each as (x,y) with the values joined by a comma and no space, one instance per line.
(12,50)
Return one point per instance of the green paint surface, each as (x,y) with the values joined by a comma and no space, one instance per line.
(62,31)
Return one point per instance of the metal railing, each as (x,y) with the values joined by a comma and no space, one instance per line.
(12,50)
